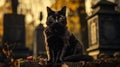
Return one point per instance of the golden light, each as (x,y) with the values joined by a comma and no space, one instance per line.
(112,1)
(28,18)
(73,4)
(88,6)
(2,2)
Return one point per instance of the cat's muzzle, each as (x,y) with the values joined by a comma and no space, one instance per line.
(57,28)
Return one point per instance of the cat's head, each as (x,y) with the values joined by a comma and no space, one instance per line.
(56,20)
(56,17)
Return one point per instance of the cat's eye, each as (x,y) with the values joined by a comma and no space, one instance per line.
(61,18)
(50,19)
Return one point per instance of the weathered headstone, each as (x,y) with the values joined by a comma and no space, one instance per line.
(104,29)
(14,32)
(40,40)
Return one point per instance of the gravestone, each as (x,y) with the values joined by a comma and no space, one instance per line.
(40,40)
(103,29)
(14,32)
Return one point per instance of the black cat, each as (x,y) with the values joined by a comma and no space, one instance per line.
(59,42)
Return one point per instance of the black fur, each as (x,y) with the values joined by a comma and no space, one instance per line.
(59,42)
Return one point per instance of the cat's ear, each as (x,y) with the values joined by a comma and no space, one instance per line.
(63,10)
(49,11)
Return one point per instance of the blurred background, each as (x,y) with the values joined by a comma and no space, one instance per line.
(34,12)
